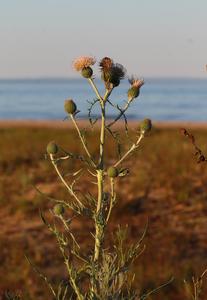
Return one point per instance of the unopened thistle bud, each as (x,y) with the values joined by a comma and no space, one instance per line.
(134,90)
(145,126)
(58,209)
(70,106)
(87,72)
(52,148)
(112,172)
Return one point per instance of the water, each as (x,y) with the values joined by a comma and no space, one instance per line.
(160,99)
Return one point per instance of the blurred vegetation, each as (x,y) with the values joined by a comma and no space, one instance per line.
(166,188)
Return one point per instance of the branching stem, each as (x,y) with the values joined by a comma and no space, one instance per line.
(133,147)
(120,115)
(64,182)
(43,277)
(100,178)
(95,89)
(71,275)
(69,231)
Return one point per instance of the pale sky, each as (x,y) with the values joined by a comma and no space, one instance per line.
(40,38)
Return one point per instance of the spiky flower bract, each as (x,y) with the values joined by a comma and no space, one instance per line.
(134,90)
(70,106)
(87,72)
(83,62)
(52,148)
(111,73)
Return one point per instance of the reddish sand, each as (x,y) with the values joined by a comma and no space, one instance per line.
(83,123)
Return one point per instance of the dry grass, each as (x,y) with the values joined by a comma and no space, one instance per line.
(165,186)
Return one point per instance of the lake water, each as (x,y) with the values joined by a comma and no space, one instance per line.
(160,99)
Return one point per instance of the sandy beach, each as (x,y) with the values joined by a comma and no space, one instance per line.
(58,124)
(165,186)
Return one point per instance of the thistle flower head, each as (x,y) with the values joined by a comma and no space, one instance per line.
(145,126)
(83,62)
(118,71)
(106,63)
(134,90)
(111,73)
(135,82)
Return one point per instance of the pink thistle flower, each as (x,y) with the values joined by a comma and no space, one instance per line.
(135,82)
(134,90)
(83,62)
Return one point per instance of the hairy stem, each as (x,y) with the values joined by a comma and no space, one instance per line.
(133,147)
(111,200)
(100,179)
(99,224)
(95,89)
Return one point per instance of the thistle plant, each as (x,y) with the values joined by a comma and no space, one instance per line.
(105,272)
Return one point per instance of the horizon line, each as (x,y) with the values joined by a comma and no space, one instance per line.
(79,78)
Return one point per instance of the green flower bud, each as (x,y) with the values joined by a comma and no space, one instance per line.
(87,72)
(145,126)
(133,92)
(58,209)
(70,106)
(112,172)
(52,148)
